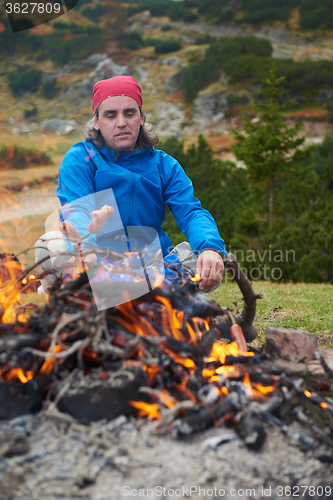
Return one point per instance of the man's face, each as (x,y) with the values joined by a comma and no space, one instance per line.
(119,122)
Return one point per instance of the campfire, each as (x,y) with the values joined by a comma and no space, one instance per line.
(172,355)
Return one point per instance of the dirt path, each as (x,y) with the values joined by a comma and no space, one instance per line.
(31,201)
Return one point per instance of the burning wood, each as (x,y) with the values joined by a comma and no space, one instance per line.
(166,356)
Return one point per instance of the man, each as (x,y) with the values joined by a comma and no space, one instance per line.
(119,154)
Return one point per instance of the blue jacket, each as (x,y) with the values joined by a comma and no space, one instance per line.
(143,182)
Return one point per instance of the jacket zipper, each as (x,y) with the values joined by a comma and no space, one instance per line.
(131,199)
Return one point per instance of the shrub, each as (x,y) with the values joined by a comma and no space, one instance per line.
(166,46)
(94,13)
(166,27)
(176,11)
(133,41)
(204,39)
(189,17)
(153,41)
(30,113)
(219,53)
(50,89)
(20,158)
(248,59)
(25,80)
(212,9)
(316,15)
(301,77)
(62,51)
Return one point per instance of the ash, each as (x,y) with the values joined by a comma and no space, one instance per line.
(52,456)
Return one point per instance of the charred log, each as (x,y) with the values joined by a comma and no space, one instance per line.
(18,399)
(91,399)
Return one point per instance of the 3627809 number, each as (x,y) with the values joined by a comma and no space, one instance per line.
(30,8)
(301,491)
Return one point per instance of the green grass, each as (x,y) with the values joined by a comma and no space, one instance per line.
(299,306)
(34,297)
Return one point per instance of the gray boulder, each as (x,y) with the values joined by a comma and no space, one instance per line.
(60,127)
(92,61)
(208,106)
(170,61)
(104,69)
(175,82)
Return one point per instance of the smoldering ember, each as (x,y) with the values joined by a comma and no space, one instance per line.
(161,396)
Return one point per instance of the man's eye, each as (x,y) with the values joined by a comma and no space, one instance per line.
(110,116)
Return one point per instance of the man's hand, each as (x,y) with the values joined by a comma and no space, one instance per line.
(210,267)
(99,218)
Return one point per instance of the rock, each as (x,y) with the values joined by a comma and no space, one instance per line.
(64,70)
(142,17)
(315,367)
(171,61)
(289,344)
(323,95)
(209,105)
(92,61)
(327,356)
(104,69)
(170,118)
(175,82)
(300,369)
(60,127)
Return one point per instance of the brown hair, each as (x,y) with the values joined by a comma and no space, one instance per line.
(147,137)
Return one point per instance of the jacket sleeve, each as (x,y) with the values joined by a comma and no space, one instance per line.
(76,189)
(194,221)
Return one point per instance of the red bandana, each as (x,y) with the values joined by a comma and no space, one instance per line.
(118,85)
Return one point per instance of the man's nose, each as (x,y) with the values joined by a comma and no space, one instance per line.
(121,121)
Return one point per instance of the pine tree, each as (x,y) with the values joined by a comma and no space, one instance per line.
(270,149)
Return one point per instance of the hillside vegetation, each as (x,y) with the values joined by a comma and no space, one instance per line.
(42,71)
(312,15)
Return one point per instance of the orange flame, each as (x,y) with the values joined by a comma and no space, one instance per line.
(166,398)
(187,362)
(146,410)
(260,391)
(175,319)
(220,351)
(48,364)
(196,278)
(152,370)
(135,323)
(18,374)
(247,385)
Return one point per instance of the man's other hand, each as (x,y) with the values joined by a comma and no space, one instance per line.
(210,267)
